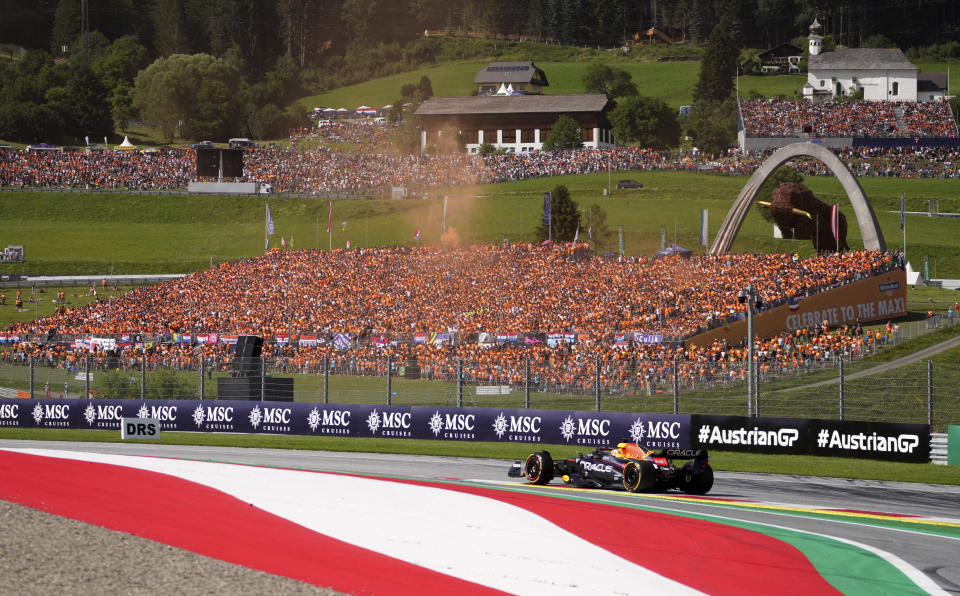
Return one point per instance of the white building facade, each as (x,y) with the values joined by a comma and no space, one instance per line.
(880,74)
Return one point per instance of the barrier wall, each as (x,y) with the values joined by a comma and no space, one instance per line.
(879,298)
(900,442)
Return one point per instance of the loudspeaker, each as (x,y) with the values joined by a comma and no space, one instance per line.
(248,388)
(208,163)
(246,355)
(249,346)
(210,160)
(232,163)
(411,370)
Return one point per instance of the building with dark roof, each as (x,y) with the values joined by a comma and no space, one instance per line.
(932,86)
(516,122)
(784,58)
(510,78)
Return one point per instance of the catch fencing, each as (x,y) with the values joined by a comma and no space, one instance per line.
(838,387)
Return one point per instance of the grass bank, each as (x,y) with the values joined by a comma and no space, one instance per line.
(90,233)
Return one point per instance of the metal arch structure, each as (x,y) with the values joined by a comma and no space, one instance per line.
(866,218)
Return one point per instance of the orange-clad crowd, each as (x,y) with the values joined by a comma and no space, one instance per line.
(780,118)
(380,298)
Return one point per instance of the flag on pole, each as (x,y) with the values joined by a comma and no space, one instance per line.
(291,240)
(329,216)
(546,209)
(576,235)
(417,235)
(269,221)
(283,242)
(663,237)
(903,204)
(348,245)
(590,233)
(704,227)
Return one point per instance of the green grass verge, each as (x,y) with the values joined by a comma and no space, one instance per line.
(90,233)
(721,460)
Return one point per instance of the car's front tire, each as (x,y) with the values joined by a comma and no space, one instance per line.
(538,469)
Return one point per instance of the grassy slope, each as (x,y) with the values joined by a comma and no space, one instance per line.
(671,81)
(118,233)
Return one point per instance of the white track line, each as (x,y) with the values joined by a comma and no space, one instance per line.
(474,538)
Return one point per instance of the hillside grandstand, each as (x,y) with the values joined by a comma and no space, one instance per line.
(769,124)
(494,307)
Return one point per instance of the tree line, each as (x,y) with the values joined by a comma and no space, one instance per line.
(220,68)
(311,31)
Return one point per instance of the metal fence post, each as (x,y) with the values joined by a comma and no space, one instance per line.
(143,375)
(202,386)
(389,378)
(263,379)
(459,382)
(597,387)
(841,390)
(756,388)
(526,384)
(676,386)
(86,376)
(31,377)
(326,379)
(930,393)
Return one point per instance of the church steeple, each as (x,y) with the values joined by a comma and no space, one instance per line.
(815,38)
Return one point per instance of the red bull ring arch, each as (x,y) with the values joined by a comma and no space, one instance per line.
(866,218)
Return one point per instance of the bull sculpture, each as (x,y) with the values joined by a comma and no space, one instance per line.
(795,208)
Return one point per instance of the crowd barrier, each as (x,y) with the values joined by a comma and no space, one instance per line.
(789,436)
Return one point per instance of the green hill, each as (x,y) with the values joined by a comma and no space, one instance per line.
(671,81)
(81,233)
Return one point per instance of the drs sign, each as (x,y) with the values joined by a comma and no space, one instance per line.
(140,428)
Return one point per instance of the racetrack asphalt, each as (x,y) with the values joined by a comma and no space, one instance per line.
(929,540)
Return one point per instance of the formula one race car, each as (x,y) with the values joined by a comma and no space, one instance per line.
(628,466)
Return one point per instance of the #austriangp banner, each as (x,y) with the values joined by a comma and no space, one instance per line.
(795,436)
(657,431)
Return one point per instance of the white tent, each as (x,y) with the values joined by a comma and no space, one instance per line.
(502,90)
(510,90)
(126,145)
(912,276)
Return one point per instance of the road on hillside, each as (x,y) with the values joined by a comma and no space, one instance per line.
(780,496)
(925,353)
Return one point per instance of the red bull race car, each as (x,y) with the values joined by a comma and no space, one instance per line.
(627,466)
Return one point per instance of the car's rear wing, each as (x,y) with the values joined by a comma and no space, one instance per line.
(683,453)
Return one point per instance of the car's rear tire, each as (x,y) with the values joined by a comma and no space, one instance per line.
(696,483)
(538,469)
(639,476)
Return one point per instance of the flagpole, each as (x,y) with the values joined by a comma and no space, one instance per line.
(903,224)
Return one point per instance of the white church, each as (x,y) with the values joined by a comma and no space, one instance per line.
(882,74)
